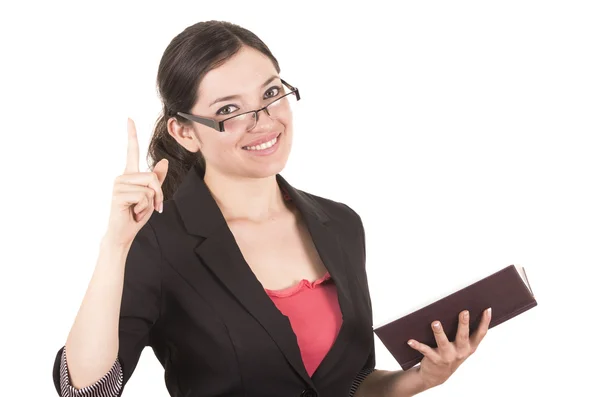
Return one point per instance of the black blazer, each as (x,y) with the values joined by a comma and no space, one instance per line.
(189,294)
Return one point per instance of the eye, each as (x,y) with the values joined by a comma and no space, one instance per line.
(226,110)
(272,92)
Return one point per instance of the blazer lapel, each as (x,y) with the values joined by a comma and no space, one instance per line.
(326,238)
(219,251)
(222,255)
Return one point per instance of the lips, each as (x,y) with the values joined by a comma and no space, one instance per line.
(261,140)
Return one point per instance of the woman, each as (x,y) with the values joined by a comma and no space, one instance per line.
(241,284)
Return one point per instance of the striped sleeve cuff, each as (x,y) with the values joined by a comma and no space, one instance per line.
(359,378)
(109,385)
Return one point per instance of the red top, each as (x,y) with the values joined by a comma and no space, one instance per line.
(315,316)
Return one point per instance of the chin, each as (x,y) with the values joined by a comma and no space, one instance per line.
(266,170)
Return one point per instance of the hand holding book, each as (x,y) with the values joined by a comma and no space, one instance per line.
(439,363)
(507,291)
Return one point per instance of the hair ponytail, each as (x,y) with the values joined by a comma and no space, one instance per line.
(164,146)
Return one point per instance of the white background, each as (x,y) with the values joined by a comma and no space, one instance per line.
(466,135)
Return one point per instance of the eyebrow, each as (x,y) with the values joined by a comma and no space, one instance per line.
(228,97)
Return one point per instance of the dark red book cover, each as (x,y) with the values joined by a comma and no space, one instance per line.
(507,292)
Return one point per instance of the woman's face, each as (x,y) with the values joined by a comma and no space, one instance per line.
(247,81)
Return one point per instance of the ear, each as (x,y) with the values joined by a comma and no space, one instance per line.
(183,134)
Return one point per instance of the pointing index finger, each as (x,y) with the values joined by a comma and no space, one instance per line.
(133,150)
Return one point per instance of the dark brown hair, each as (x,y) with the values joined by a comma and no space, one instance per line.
(186,60)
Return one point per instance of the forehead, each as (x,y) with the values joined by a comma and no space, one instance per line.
(242,74)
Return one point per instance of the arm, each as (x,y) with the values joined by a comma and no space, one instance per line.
(92,343)
(112,327)
(391,383)
(375,382)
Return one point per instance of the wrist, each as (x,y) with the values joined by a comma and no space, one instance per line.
(111,244)
(113,253)
(408,383)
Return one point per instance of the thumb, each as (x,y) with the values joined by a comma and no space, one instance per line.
(160,169)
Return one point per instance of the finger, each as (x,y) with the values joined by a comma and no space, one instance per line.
(127,188)
(127,199)
(133,150)
(120,189)
(143,204)
(440,336)
(139,217)
(482,328)
(462,333)
(425,350)
(149,179)
(160,169)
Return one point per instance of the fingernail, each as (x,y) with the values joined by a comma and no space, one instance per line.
(436,324)
(160,208)
(466,315)
(410,343)
(489,311)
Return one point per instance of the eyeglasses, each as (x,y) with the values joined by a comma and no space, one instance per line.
(247,121)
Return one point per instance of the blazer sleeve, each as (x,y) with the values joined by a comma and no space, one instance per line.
(369,365)
(140,306)
(367,369)
(109,385)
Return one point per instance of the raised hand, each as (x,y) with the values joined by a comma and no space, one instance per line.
(439,363)
(135,194)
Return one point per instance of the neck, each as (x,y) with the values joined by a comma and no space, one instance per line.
(255,199)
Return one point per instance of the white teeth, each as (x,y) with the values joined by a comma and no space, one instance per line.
(262,146)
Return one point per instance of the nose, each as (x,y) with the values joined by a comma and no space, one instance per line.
(258,124)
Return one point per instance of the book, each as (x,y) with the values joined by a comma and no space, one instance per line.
(507,292)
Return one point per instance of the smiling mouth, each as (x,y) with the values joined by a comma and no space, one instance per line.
(262,146)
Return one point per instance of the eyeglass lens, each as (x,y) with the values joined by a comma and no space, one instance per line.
(247,121)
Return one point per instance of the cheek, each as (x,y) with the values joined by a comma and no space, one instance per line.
(214,145)
(289,131)
(225,146)
(287,125)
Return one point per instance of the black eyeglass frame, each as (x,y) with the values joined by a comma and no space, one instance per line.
(220,125)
